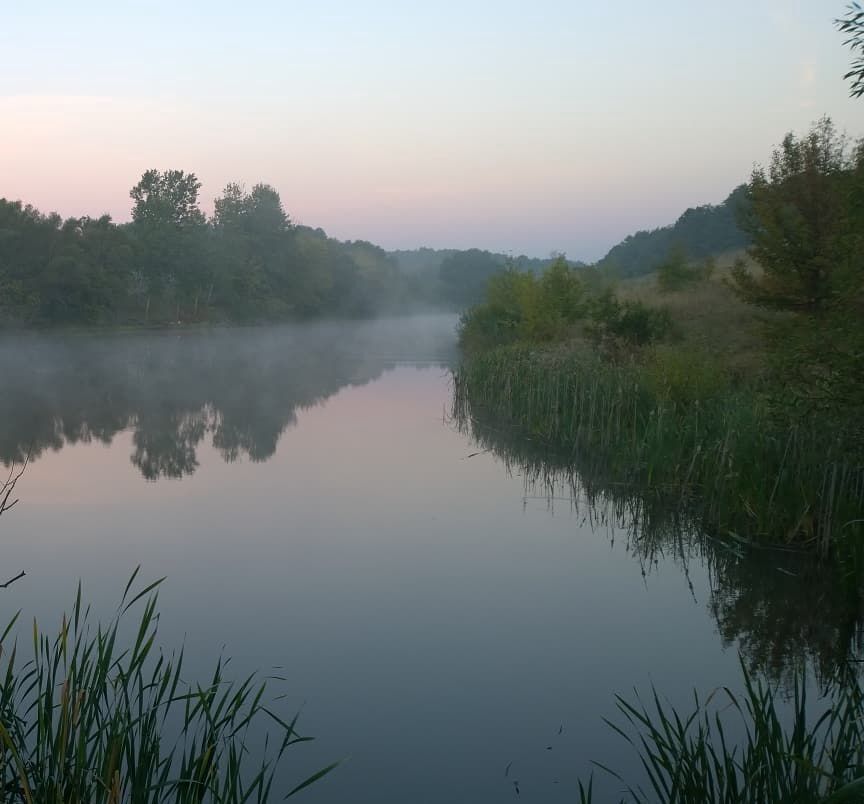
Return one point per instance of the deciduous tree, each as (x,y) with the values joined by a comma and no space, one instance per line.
(803,224)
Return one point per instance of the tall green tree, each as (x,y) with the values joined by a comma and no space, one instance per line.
(165,197)
(804,224)
(255,250)
(807,222)
(172,244)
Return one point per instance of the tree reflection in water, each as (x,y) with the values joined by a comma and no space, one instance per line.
(239,388)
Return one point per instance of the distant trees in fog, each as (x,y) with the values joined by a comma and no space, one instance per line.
(171,263)
(251,262)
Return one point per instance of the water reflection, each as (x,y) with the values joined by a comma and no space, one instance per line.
(241,389)
(783,611)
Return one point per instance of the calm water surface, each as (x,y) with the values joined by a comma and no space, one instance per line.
(436,616)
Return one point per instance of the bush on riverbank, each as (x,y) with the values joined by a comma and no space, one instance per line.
(558,305)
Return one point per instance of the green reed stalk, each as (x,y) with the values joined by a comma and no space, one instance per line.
(744,748)
(752,477)
(91,720)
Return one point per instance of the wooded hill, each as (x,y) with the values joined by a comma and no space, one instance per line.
(700,232)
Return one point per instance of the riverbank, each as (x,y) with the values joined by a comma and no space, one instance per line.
(669,395)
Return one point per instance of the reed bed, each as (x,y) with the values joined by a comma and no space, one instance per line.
(780,609)
(746,749)
(721,456)
(88,721)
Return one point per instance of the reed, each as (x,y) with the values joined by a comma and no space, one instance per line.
(713,449)
(89,721)
(744,748)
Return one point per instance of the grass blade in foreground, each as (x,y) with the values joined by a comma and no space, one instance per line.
(95,718)
(740,749)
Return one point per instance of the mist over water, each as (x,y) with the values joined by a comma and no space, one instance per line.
(236,389)
(440,610)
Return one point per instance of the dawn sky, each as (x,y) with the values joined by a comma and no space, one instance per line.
(517,127)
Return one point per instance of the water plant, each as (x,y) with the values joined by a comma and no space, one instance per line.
(677,434)
(89,720)
(744,748)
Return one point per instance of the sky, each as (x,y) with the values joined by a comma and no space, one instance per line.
(550,126)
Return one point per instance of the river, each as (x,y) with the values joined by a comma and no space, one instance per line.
(444,624)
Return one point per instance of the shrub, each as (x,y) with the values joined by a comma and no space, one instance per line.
(675,272)
(520,307)
(630,322)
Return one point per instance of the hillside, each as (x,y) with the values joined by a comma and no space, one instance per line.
(700,232)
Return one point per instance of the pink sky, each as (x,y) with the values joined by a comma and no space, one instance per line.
(560,130)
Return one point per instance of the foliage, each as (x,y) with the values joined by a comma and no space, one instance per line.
(420,261)
(806,225)
(519,306)
(61,271)
(421,273)
(522,307)
(816,371)
(676,272)
(699,757)
(170,264)
(773,455)
(167,197)
(807,221)
(626,323)
(853,25)
(87,719)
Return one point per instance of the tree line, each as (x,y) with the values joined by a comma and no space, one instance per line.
(700,232)
(172,263)
(250,262)
(247,262)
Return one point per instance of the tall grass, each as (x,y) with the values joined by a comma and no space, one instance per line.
(673,431)
(781,609)
(86,720)
(745,748)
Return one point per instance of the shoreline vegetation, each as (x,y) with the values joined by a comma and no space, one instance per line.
(248,263)
(172,266)
(739,747)
(101,714)
(718,398)
(733,386)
